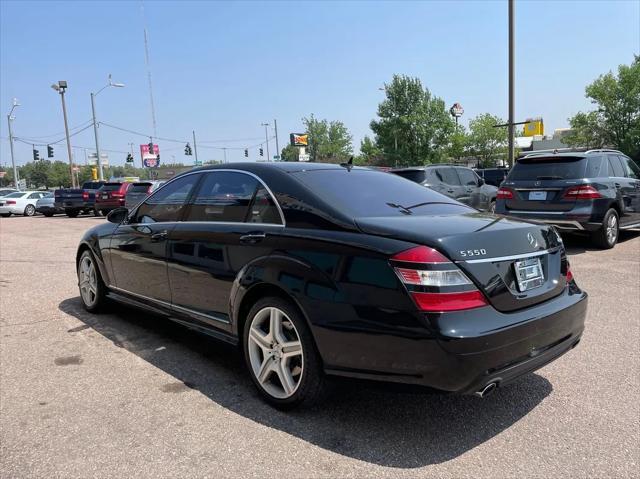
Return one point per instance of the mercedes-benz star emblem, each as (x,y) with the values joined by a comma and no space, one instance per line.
(532,241)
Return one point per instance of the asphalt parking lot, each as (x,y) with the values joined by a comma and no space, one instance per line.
(129,394)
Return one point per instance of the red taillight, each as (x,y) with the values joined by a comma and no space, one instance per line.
(449,289)
(585,192)
(569,274)
(115,194)
(10,202)
(449,301)
(85,195)
(420,254)
(505,194)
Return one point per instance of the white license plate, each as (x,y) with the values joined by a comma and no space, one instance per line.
(538,195)
(529,274)
(105,196)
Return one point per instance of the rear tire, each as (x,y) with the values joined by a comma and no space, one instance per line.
(96,212)
(5,215)
(607,236)
(48,215)
(104,212)
(492,207)
(72,213)
(92,288)
(30,210)
(281,356)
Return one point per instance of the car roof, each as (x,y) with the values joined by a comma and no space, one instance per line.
(284,166)
(421,168)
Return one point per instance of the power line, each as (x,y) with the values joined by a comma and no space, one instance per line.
(36,138)
(28,141)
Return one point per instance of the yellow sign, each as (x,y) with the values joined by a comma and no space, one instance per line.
(534,126)
(299,139)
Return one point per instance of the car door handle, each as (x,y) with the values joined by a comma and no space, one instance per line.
(450,191)
(160,236)
(253,237)
(617,185)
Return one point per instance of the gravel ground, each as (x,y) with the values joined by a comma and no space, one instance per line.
(131,395)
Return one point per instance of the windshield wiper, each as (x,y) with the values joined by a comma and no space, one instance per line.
(407,209)
(403,209)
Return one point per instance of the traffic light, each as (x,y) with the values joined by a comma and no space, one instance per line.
(36,155)
(49,151)
(150,145)
(158,158)
(94,173)
(129,158)
(187,150)
(246,153)
(261,152)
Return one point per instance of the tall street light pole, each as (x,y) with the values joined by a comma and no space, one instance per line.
(275,127)
(511,81)
(13,160)
(266,138)
(61,87)
(95,124)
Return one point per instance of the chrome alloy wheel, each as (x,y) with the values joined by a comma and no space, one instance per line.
(275,352)
(88,281)
(612,229)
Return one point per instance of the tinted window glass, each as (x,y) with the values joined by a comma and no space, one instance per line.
(632,170)
(467,177)
(263,208)
(361,193)
(33,196)
(548,169)
(615,166)
(223,196)
(111,186)
(167,203)
(91,185)
(414,175)
(597,167)
(448,176)
(18,194)
(139,187)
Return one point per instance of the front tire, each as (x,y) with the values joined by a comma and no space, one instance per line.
(92,288)
(281,356)
(72,213)
(5,215)
(30,210)
(607,236)
(48,215)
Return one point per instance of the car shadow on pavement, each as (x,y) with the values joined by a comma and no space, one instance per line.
(578,244)
(374,423)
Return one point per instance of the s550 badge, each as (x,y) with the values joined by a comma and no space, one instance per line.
(472,252)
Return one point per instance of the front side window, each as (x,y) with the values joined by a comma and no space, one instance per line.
(632,169)
(166,204)
(467,177)
(223,196)
(448,176)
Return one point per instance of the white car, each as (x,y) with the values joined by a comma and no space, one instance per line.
(20,203)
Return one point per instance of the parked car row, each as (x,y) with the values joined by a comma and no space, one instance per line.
(97,197)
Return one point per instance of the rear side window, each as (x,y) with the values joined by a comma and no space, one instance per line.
(566,168)
(414,175)
(448,176)
(366,193)
(263,209)
(597,167)
(167,203)
(615,167)
(467,177)
(223,196)
(632,169)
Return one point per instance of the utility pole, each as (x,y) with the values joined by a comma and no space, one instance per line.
(511,81)
(225,155)
(266,138)
(95,133)
(275,127)
(61,87)
(195,148)
(13,161)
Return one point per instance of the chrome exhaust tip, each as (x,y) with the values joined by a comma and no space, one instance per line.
(488,389)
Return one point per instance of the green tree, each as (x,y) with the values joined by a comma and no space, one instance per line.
(289,153)
(486,142)
(329,142)
(413,126)
(458,143)
(370,154)
(616,120)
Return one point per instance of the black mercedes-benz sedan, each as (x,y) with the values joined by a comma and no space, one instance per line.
(317,269)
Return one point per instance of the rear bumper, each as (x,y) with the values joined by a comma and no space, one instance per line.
(464,351)
(74,205)
(562,221)
(109,204)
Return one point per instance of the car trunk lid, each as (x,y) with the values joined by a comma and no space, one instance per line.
(496,253)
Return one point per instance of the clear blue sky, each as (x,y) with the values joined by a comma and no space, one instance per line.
(222,68)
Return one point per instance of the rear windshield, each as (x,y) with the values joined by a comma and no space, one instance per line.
(139,187)
(414,175)
(362,193)
(111,186)
(548,169)
(91,185)
(17,194)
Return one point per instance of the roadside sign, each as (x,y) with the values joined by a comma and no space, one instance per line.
(92,159)
(150,159)
(23,184)
(304,157)
(299,139)
(456,110)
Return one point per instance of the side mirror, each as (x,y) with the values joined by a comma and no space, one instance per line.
(481,181)
(118,215)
